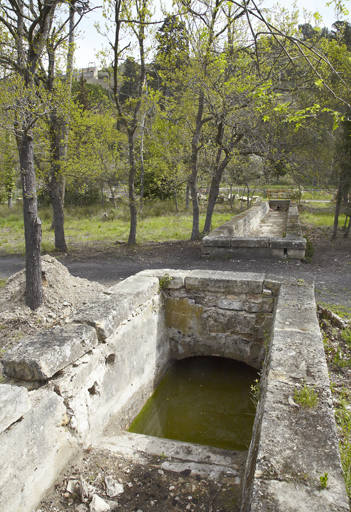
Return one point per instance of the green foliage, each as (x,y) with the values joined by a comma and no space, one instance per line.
(307,397)
(323,480)
(82,193)
(340,360)
(255,390)
(346,336)
(90,96)
(8,161)
(309,251)
(157,186)
(130,81)
(164,281)
(343,420)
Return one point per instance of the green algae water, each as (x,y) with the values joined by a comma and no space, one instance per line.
(203,400)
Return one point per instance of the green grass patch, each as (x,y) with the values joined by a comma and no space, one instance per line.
(307,397)
(309,252)
(323,195)
(320,219)
(158,222)
(319,205)
(343,420)
(338,309)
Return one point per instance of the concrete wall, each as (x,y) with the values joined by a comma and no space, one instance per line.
(107,361)
(233,239)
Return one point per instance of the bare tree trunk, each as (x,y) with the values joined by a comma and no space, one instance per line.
(214,191)
(102,196)
(187,196)
(215,182)
(32,223)
(59,148)
(142,128)
(347,231)
(112,194)
(176,199)
(55,183)
(232,197)
(337,209)
(195,234)
(131,193)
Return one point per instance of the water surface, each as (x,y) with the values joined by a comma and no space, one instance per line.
(204,400)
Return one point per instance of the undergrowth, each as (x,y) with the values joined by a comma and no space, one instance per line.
(337,346)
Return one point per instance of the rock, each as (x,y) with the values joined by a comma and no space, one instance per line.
(81,508)
(41,356)
(99,505)
(113,488)
(14,403)
(72,486)
(85,490)
(34,451)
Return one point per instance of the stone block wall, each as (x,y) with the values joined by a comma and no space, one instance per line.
(230,319)
(293,446)
(233,238)
(35,445)
(68,383)
(241,224)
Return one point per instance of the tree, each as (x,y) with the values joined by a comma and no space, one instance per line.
(27,30)
(344,161)
(8,165)
(131,19)
(96,150)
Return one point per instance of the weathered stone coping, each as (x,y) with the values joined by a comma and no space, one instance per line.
(233,237)
(292,446)
(133,340)
(241,225)
(178,456)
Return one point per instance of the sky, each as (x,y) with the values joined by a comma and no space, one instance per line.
(90,42)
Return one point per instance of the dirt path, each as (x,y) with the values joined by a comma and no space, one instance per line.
(330,267)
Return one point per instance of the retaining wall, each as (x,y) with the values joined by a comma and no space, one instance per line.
(233,238)
(105,363)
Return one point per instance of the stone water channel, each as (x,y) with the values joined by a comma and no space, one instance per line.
(82,385)
(269,229)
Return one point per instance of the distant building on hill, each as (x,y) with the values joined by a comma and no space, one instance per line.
(93,76)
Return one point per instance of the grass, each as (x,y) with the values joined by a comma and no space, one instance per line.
(320,219)
(337,346)
(319,206)
(342,311)
(89,224)
(323,195)
(343,419)
(306,397)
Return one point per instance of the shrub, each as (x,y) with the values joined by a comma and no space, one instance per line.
(309,252)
